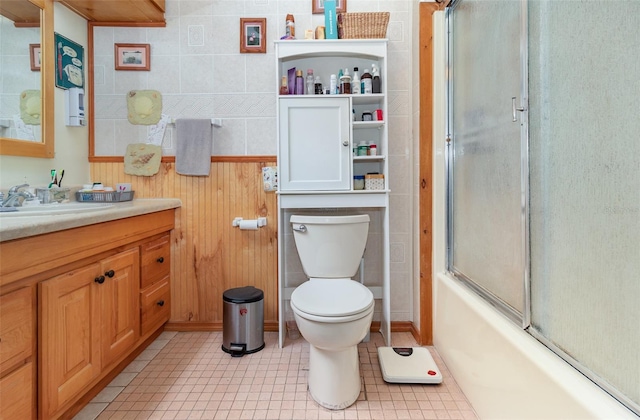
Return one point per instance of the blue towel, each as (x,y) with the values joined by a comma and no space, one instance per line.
(194,138)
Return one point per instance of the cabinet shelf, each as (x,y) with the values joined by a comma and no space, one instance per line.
(362,99)
(367,124)
(375,158)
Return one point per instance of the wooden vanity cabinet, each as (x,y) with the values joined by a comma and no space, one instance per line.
(155,293)
(84,305)
(90,318)
(16,354)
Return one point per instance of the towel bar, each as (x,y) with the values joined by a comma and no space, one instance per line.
(216,122)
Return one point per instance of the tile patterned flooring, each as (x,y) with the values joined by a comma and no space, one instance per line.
(186,375)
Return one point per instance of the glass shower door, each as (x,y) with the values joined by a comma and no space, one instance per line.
(488,149)
(585,188)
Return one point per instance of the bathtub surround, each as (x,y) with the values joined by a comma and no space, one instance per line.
(503,371)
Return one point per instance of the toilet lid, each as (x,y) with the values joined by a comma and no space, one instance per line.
(332,297)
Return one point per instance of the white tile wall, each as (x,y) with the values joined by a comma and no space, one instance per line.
(196,65)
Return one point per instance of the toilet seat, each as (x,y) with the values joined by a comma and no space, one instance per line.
(332,300)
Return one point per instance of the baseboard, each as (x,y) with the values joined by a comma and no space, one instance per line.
(269,326)
(272,326)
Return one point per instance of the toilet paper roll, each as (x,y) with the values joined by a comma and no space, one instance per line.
(248,224)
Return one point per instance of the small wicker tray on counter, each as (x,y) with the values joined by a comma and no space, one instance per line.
(104,196)
(363,25)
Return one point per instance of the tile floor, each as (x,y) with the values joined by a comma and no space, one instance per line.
(186,375)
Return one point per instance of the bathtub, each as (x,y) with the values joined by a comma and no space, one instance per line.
(504,372)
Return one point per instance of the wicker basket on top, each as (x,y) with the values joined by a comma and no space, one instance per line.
(363,25)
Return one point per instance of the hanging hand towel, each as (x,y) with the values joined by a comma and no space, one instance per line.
(193,146)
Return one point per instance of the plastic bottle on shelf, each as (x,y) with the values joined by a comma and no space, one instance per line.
(333,85)
(363,148)
(366,82)
(355,82)
(310,82)
(299,83)
(373,149)
(290,29)
(318,86)
(375,81)
(284,90)
(345,82)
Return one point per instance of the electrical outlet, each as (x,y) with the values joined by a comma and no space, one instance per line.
(270,178)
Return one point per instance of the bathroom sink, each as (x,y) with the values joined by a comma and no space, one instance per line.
(53,209)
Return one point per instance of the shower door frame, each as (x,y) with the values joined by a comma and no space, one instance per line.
(522,111)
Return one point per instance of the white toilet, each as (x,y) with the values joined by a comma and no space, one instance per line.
(333,312)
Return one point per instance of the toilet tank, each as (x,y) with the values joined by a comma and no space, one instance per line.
(330,246)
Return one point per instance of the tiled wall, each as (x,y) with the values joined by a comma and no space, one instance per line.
(196,65)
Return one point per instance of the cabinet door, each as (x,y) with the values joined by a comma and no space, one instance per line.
(120,304)
(155,306)
(16,328)
(69,336)
(16,394)
(315,144)
(155,261)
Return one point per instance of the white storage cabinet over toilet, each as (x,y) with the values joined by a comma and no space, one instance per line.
(317,135)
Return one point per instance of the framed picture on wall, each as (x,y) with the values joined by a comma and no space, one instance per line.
(34,56)
(69,62)
(132,57)
(253,35)
(317,6)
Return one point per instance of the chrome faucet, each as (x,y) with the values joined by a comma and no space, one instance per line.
(14,194)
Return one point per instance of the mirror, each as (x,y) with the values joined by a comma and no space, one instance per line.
(18,77)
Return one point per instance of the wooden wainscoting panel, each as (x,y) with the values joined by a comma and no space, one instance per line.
(208,255)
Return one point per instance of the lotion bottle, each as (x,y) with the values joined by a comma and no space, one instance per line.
(345,82)
(310,82)
(299,83)
(284,90)
(355,82)
(333,85)
(366,82)
(375,82)
(290,26)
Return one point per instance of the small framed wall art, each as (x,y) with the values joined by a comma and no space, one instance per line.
(69,62)
(317,6)
(34,56)
(132,57)
(253,35)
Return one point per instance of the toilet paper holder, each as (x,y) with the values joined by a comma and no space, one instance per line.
(260,221)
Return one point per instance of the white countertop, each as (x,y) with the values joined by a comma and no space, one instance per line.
(15,227)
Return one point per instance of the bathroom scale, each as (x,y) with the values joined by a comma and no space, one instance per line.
(408,365)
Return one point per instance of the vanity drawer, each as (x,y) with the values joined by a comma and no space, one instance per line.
(16,327)
(155,305)
(155,261)
(17,394)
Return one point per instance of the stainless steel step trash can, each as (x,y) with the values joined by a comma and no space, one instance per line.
(243,321)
